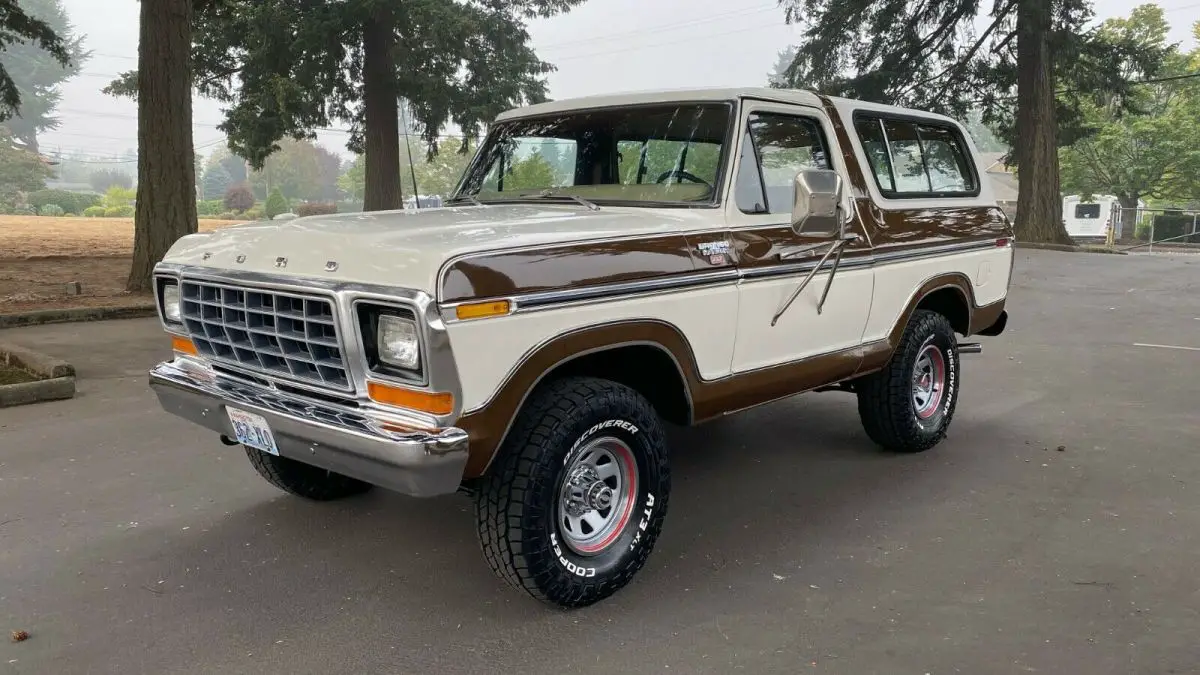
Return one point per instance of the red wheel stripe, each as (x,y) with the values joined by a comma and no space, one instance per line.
(624,515)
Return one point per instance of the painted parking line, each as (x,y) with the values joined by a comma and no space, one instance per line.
(1188,349)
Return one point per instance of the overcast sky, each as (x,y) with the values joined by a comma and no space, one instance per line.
(602,46)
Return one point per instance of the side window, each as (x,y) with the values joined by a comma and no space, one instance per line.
(785,145)
(908,165)
(1087,211)
(946,160)
(875,145)
(916,159)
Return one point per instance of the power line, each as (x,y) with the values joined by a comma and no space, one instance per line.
(663,28)
(1180,9)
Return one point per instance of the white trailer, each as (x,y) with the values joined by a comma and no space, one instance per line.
(1088,219)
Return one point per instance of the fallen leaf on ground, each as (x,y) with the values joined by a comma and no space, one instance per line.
(20,636)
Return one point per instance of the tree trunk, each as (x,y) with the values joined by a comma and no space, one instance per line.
(382,110)
(166,191)
(1128,215)
(1039,201)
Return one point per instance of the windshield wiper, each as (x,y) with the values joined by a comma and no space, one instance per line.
(551,194)
(464,198)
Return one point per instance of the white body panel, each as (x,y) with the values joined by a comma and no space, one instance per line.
(896,283)
(487,351)
(801,332)
(407,248)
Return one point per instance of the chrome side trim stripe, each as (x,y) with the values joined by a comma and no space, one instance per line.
(532,302)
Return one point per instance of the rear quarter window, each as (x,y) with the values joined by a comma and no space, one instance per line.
(916,158)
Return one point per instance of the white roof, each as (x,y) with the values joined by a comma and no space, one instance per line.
(795,96)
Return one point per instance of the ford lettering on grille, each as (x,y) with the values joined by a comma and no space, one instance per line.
(287,335)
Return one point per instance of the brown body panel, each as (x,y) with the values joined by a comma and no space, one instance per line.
(710,399)
(507,273)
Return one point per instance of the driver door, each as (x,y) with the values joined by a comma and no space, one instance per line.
(777,142)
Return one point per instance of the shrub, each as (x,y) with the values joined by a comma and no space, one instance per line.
(24,211)
(72,215)
(51,210)
(228,215)
(315,209)
(117,196)
(238,198)
(209,207)
(75,202)
(276,204)
(94,212)
(118,212)
(255,213)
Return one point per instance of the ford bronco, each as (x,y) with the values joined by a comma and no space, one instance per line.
(606,266)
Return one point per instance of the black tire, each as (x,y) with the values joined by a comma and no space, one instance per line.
(304,480)
(518,505)
(886,404)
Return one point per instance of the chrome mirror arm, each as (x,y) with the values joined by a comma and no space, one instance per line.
(838,247)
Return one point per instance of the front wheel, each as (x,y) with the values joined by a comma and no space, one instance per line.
(907,406)
(304,480)
(575,502)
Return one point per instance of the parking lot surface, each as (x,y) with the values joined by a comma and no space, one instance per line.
(1056,530)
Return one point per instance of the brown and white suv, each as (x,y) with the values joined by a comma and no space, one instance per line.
(607,265)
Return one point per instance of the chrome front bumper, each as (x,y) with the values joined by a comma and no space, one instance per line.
(417,463)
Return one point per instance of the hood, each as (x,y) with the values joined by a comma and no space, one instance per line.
(407,248)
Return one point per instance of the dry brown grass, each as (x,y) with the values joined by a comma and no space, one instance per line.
(39,256)
(39,236)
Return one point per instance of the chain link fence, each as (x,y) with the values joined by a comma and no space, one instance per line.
(1147,228)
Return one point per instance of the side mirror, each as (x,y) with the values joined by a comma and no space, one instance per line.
(817,203)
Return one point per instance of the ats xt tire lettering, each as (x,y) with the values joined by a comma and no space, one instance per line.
(637,537)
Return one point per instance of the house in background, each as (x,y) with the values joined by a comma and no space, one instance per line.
(1004,181)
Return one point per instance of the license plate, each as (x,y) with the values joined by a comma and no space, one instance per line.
(252,430)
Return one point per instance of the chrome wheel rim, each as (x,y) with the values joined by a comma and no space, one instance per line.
(596,496)
(929,381)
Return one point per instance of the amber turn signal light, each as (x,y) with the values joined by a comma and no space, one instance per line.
(434,403)
(183,345)
(479,310)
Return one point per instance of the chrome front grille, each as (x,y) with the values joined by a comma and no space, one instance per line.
(286,335)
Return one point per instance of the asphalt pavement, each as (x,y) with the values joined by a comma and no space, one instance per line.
(1056,530)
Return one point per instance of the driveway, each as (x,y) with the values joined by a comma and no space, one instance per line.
(1055,531)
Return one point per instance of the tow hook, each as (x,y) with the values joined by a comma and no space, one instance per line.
(970,348)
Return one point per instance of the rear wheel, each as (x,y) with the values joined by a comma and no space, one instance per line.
(576,499)
(907,406)
(304,480)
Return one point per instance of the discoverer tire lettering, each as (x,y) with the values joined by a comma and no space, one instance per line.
(886,402)
(518,504)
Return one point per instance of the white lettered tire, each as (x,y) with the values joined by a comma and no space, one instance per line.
(908,406)
(575,501)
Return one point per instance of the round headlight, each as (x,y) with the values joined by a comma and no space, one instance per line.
(171,307)
(398,343)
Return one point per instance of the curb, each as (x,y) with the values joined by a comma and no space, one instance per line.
(58,389)
(58,382)
(1068,248)
(45,316)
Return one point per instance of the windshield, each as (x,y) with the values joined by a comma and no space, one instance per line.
(661,154)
